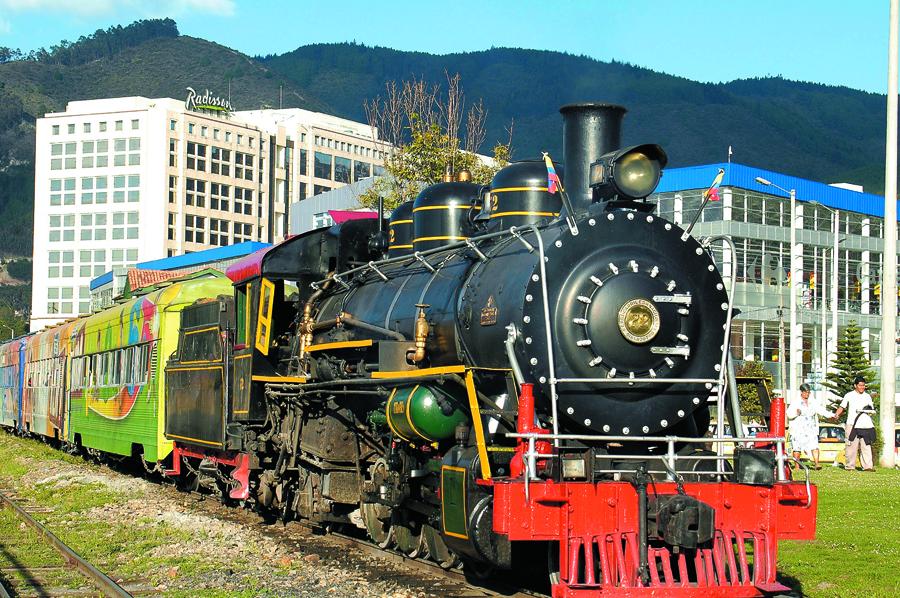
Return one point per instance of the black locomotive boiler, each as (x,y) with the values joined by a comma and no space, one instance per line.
(513,366)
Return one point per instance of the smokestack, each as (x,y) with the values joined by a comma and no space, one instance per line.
(589,131)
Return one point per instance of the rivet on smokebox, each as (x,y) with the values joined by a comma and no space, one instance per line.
(611,502)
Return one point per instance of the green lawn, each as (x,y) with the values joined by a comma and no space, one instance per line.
(857,546)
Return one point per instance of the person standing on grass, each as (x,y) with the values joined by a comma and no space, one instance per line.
(860,427)
(804,414)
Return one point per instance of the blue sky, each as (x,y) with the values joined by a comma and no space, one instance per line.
(826,41)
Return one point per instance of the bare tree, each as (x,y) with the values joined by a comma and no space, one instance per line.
(475,132)
(417,127)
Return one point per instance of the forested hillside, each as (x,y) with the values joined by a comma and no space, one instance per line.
(815,131)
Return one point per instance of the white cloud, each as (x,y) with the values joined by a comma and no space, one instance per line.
(223,8)
(79,7)
(174,8)
(5,26)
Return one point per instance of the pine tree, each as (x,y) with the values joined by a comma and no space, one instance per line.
(850,361)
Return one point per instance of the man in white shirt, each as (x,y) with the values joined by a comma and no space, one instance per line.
(860,427)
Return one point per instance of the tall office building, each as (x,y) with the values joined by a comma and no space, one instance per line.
(126,180)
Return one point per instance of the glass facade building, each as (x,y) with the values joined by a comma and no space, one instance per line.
(837,261)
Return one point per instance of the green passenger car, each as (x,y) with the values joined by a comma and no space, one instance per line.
(118,358)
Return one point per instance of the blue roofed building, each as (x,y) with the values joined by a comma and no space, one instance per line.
(837,261)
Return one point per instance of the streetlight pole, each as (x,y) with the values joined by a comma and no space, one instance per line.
(836,233)
(889,277)
(12,332)
(793,325)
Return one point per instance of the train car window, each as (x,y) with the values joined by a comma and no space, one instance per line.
(127,365)
(242,307)
(264,317)
(141,364)
(117,367)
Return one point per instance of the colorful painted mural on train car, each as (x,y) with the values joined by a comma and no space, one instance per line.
(44,398)
(118,356)
(10,382)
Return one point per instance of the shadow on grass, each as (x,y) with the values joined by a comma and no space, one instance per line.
(32,582)
(792,582)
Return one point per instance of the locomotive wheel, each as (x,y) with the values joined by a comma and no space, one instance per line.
(437,549)
(378,523)
(409,539)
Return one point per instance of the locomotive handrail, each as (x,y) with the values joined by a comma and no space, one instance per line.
(670,457)
(420,255)
(723,363)
(635,380)
(621,438)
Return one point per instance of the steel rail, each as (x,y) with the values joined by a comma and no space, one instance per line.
(106,585)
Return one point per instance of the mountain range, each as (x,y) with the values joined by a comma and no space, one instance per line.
(825,133)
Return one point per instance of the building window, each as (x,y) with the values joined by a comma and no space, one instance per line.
(126,187)
(227,136)
(218,231)
(240,139)
(301,190)
(86,127)
(195,193)
(71,128)
(194,228)
(304,168)
(243,232)
(196,156)
(102,126)
(322,166)
(173,149)
(119,124)
(361,170)
(243,201)
(173,182)
(191,128)
(172,125)
(203,131)
(219,196)
(318,189)
(243,166)
(135,124)
(55,129)
(171,226)
(342,169)
(216,134)
(220,161)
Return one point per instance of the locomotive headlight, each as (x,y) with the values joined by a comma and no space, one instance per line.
(629,173)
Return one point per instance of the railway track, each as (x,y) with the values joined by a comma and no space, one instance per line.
(58,572)
(417,573)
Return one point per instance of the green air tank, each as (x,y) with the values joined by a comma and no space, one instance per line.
(423,413)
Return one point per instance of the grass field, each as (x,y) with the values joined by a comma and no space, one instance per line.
(857,546)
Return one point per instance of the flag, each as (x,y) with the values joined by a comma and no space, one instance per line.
(714,195)
(552,178)
(715,186)
(789,278)
(812,281)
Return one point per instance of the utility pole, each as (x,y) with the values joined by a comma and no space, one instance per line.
(889,280)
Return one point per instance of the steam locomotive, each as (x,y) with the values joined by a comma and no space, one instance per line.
(504,367)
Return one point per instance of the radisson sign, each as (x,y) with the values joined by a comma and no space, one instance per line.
(206,101)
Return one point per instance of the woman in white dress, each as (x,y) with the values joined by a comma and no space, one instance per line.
(804,414)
